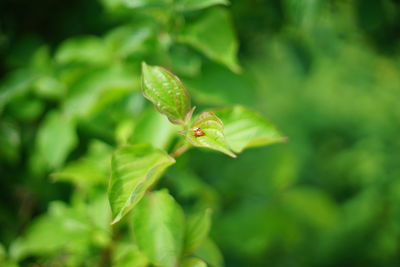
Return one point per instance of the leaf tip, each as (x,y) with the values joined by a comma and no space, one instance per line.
(236,69)
(145,69)
(230,154)
(189,115)
(117,219)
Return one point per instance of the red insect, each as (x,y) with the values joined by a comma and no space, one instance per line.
(198,132)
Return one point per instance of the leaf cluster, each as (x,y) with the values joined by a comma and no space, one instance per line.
(89,153)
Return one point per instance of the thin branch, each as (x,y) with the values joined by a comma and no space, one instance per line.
(179,151)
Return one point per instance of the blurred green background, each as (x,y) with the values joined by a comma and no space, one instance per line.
(325,72)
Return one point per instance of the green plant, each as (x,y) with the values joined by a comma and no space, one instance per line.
(161,232)
(65,111)
(325,71)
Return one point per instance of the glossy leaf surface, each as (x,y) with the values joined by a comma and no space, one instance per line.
(166,91)
(213,130)
(245,128)
(134,169)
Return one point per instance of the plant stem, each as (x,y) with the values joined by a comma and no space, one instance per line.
(179,151)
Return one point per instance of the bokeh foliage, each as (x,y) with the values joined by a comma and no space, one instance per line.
(326,72)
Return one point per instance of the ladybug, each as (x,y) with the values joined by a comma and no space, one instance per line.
(198,132)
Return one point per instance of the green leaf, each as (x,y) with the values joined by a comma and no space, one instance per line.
(56,138)
(66,230)
(303,13)
(133,170)
(193,262)
(128,255)
(213,130)
(158,225)
(189,5)
(166,91)
(147,129)
(214,36)
(210,253)
(197,230)
(185,61)
(130,40)
(82,173)
(98,88)
(87,49)
(10,141)
(90,170)
(62,228)
(26,108)
(147,3)
(245,128)
(49,87)
(16,84)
